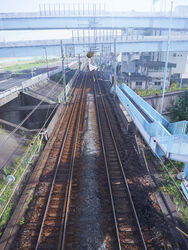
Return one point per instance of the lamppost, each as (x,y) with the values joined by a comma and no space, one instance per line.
(63,71)
(129,79)
(180,81)
(115,63)
(166,62)
(46,56)
(33,71)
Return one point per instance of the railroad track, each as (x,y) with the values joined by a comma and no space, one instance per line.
(128,230)
(41,224)
(156,230)
(53,228)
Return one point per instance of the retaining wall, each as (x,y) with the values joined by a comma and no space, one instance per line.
(155,100)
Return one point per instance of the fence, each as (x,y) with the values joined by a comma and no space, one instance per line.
(170,137)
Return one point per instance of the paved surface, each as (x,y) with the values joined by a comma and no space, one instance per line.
(11,149)
(17,80)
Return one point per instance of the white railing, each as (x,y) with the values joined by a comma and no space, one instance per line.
(85,13)
(28,83)
(9,91)
(93,40)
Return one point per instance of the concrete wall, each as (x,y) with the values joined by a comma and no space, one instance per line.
(11,126)
(155,101)
(35,121)
(55,118)
(9,96)
(61,107)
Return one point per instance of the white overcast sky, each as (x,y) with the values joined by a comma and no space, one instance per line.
(119,5)
(111,5)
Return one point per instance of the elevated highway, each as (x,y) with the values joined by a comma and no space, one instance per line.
(82,45)
(38,21)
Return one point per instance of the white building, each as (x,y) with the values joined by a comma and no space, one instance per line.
(149,74)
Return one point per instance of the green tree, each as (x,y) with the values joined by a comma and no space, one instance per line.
(179,110)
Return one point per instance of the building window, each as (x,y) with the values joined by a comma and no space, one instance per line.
(157,83)
(174,55)
(138,83)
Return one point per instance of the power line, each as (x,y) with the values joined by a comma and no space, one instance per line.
(25,119)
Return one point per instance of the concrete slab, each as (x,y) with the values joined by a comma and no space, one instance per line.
(48,89)
(13,148)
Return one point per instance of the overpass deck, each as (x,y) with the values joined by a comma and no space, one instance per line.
(81,45)
(110,20)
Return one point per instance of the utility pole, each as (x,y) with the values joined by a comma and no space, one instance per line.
(46,57)
(166,62)
(79,62)
(100,61)
(115,87)
(180,81)
(63,73)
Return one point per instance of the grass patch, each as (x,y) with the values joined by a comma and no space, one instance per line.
(30,65)
(18,168)
(22,221)
(6,215)
(168,186)
(185,216)
(173,87)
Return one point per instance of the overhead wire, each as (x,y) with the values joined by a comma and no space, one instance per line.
(36,107)
(6,139)
(23,160)
(25,119)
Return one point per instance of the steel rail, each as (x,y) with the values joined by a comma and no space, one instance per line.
(57,165)
(121,167)
(106,166)
(67,203)
(5,206)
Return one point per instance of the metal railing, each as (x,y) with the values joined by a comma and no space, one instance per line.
(28,83)
(178,127)
(84,11)
(9,91)
(171,137)
(151,112)
(92,40)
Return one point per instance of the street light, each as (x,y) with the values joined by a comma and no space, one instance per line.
(166,62)
(115,63)
(46,60)
(129,79)
(32,71)
(63,71)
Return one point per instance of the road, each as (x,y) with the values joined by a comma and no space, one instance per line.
(17,79)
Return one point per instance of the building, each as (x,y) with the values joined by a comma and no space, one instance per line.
(145,73)
(136,81)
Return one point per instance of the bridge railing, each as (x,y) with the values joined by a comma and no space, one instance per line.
(133,112)
(148,109)
(158,130)
(171,140)
(174,144)
(178,127)
(9,91)
(55,10)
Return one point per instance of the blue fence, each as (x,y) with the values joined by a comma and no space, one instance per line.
(163,137)
(145,106)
